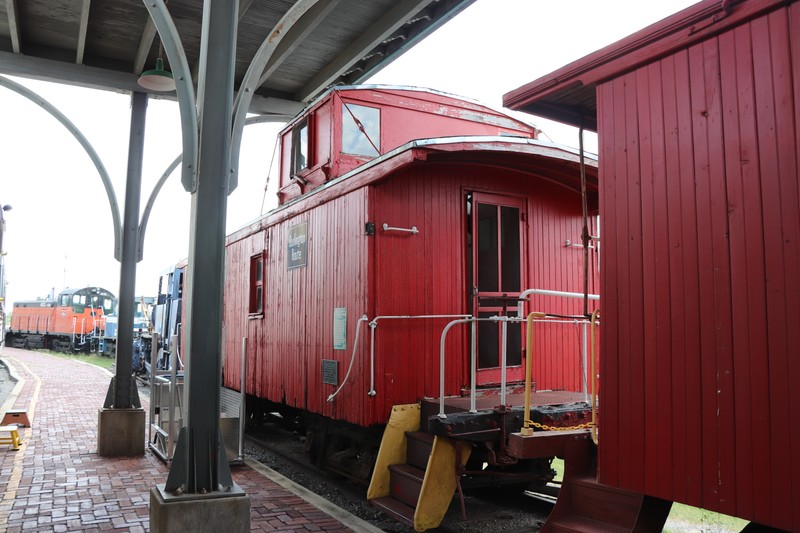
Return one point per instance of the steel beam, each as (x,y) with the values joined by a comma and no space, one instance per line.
(198,466)
(123,381)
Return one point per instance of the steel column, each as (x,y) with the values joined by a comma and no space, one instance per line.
(198,466)
(124,391)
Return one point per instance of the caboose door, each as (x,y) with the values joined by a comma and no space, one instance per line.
(497,273)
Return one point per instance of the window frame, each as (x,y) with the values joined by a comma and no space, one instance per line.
(349,111)
(257,273)
(304,124)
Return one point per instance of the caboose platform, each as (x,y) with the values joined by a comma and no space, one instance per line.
(548,407)
(57,482)
(515,397)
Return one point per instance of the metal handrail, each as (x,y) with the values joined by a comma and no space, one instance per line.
(361,319)
(504,320)
(526,426)
(412,229)
(373,324)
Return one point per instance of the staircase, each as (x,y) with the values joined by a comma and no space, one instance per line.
(415,474)
(584,505)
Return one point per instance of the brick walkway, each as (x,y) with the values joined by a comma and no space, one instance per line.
(56,482)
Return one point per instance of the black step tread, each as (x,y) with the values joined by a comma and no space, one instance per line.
(582,524)
(418,448)
(409,471)
(396,509)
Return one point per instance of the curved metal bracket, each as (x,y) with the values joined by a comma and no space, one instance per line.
(168,172)
(173,47)
(58,115)
(149,207)
(251,80)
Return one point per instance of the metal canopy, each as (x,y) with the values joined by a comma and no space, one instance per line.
(106,44)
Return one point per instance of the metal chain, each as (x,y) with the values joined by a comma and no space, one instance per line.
(544,427)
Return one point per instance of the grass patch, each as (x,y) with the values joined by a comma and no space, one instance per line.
(683,518)
(558,466)
(92,359)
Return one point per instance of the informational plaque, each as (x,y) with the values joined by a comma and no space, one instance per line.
(298,246)
(330,372)
(339,328)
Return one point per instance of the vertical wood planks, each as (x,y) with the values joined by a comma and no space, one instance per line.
(700,205)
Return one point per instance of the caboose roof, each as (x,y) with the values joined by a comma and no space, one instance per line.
(568,94)
(549,161)
(454,99)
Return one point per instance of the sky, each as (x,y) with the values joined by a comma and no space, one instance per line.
(59,231)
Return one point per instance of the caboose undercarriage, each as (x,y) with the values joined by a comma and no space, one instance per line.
(414,477)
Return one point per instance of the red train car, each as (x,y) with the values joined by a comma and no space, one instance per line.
(697,119)
(402,210)
(74,321)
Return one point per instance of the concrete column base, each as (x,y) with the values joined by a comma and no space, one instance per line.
(199,513)
(120,432)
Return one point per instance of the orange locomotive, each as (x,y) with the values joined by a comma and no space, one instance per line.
(75,321)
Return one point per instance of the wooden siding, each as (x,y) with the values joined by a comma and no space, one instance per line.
(427,274)
(287,345)
(393,274)
(701,273)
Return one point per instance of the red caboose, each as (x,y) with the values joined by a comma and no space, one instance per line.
(697,118)
(402,210)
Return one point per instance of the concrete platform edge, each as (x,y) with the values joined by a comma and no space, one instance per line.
(350,520)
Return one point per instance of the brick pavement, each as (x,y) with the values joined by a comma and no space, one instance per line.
(56,482)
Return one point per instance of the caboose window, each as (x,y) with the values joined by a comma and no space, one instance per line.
(300,146)
(256,285)
(361,130)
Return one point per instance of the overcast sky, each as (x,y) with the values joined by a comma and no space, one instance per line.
(59,230)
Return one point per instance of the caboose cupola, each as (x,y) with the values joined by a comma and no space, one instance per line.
(349,126)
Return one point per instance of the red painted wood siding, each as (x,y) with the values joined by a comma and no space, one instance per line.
(426,274)
(286,347)
(701,273)
(393,274)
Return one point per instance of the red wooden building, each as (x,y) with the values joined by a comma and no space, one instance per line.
(697,118)
(398,203)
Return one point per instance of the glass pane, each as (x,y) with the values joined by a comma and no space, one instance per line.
(487,248)
(514,343)
(509,219)
(300,148)
(488,340)
(259,300)
(259,270)
(354,140)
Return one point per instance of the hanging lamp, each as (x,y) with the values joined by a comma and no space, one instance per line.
(157,79)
